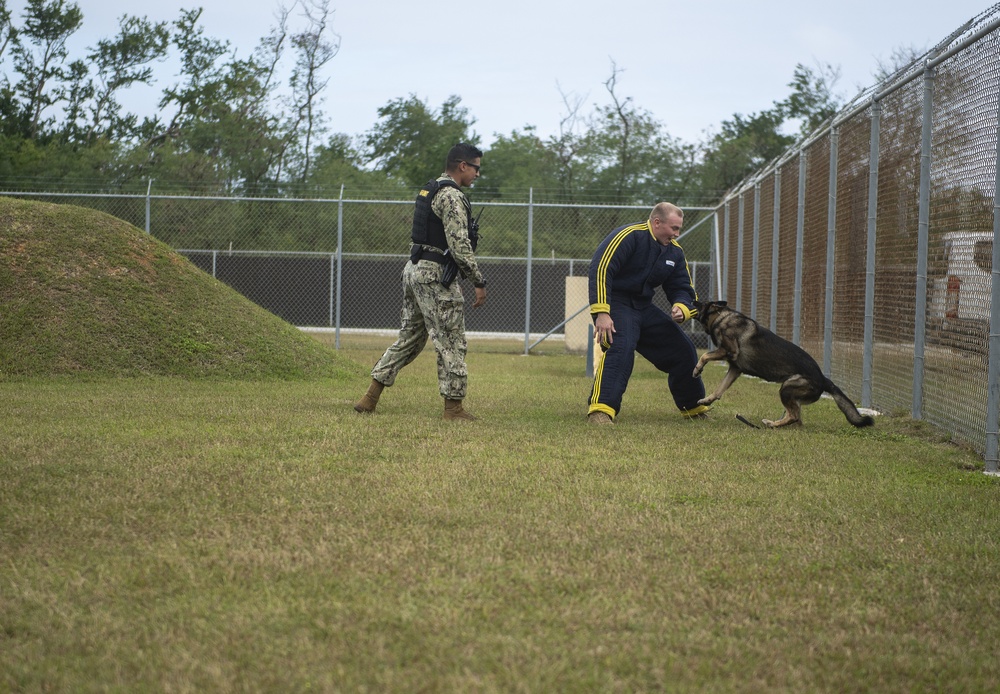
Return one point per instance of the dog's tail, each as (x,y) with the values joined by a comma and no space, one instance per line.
(846,406)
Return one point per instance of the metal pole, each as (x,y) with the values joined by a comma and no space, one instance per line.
(555,328)
(724,294)
(590,351)
(831,232)
(800,224)
(739,257)
(716,266)
(868,356)
(149,188)
(754,272)
(775,246)
(993,368)
(923,217)
(340,264)
(527,281)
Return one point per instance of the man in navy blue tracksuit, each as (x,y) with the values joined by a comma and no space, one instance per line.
(626,269)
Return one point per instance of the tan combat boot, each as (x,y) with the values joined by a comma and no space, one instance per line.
(599,418)
(453,410)
(369,400)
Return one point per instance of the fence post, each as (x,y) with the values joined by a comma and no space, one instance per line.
(149,188)
(739,257)
(993,368)
(775,247)
(590,351)
(800,225)
(724,275)
(754,273)
(714,256)
(831,232)
(868,356)
(340,263)
(527,281)
(923,216)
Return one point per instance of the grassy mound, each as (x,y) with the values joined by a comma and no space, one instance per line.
(82,292)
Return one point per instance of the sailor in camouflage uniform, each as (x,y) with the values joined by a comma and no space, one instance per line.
(443,235)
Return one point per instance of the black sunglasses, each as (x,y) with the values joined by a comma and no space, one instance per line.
(475,166)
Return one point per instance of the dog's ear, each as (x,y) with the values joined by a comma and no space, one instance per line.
(721,304)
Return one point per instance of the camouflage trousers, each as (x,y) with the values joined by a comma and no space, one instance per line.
(429,311)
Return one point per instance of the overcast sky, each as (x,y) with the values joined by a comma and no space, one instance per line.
(690,63)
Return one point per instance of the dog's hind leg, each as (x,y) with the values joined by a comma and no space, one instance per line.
(793,415)
(727,381)
(795,392)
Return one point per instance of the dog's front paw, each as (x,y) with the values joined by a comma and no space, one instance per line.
(697,371)
(707,400)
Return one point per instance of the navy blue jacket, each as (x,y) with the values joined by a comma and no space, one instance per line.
(630,264)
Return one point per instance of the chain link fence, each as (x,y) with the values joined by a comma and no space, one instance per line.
(336,264)
(871,244)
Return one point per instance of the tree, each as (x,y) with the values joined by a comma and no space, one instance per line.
(567,145)
(120,63)
(55,164)
(340,162)
(7,31)
(225,123)
(634,159)
(745,144)
(812,100)
(314,52)
(39,52)
(519,162)
(619,153)
(411,142)
(617,129)
(197,96)
(222,132)
(748,143)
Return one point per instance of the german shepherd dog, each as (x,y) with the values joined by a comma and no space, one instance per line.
(752,349)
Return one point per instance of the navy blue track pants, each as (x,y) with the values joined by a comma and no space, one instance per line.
(655,336)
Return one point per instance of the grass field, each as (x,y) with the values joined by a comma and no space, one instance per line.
(191,535)
(189,503)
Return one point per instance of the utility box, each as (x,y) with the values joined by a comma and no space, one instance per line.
(576,328)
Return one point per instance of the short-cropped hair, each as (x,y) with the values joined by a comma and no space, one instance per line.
(463,151)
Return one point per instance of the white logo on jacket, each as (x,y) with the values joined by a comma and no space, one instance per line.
(670,263)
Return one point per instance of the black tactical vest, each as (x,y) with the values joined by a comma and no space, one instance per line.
(428,229)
